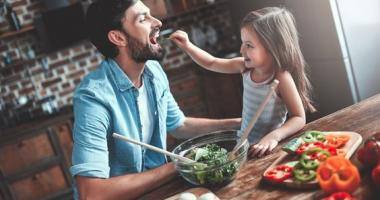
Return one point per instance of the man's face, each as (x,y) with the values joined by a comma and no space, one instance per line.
(142,30)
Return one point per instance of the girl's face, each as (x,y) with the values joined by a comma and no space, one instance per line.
(256,56)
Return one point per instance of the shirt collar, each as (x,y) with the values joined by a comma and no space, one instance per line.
(121,79)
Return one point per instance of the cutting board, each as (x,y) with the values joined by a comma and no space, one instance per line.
(196,191)
(349,148)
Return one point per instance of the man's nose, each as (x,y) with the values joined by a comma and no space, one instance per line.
(156,22)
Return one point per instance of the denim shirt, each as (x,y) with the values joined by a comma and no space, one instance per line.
(106,102)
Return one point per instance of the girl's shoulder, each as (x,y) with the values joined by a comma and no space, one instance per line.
(286,82)
(284,76)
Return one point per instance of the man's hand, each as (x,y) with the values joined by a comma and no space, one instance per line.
(129,186)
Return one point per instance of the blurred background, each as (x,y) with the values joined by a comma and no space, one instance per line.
(44,54)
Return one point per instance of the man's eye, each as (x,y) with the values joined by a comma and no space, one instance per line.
(142,18)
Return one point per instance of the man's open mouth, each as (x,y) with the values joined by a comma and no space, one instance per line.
(153,36)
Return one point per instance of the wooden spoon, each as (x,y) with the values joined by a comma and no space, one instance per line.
(255,117)
(153,148)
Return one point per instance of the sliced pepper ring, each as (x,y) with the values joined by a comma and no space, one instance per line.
(303,175)
(311,158)
(313,136)
(279,173)
(337,141)
(307,146)
(339,196)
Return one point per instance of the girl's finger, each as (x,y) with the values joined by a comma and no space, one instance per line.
(256,150)
(267,152)
(263,150)
(251,150)
(272,146)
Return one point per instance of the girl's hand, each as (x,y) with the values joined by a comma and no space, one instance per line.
(264,147)
(180,38)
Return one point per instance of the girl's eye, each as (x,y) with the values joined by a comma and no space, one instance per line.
(249,46)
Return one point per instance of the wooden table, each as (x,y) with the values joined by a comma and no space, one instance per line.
(363,118)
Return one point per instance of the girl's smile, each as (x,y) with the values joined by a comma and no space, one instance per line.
(254,52)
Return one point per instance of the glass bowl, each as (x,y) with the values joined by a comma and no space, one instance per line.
(216,174)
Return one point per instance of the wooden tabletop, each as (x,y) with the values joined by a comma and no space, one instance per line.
(363,118)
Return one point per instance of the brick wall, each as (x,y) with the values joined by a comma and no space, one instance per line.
(68,66)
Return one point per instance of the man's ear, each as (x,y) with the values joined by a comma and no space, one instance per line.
(117,37)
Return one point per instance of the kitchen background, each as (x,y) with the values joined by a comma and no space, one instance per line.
(45,54)
(38,79)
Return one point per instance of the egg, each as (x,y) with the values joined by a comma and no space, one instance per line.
(187,196)
(207,196)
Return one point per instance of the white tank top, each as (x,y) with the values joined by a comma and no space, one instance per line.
(146,115)
(273,115)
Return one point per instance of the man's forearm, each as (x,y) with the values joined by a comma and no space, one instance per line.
(128,186)
(198,126)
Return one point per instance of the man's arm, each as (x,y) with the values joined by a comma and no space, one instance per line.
(128,186)
(91,156)
(198,126)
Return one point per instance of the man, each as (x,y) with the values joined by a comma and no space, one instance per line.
(128,94)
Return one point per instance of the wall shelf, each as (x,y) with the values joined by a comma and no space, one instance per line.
(194,9)
(14,33)
(18,62)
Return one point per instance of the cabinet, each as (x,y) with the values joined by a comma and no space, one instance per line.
(35,161)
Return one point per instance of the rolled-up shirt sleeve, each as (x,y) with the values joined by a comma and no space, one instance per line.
(90,150)
(175,117)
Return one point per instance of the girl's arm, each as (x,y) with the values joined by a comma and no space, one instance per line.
(297,117)
(296,121)
(206,60)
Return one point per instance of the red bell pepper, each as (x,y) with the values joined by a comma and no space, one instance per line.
(279,174)
(339,196)
(369,154)
(376,175)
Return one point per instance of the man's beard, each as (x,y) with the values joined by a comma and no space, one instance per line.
(140,53)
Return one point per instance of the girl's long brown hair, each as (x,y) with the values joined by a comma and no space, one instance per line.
(277,30)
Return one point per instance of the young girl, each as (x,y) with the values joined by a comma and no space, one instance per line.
(270,50)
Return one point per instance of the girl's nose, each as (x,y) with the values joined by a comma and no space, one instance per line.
(241,49)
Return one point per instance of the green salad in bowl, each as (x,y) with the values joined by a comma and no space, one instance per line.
(213,165)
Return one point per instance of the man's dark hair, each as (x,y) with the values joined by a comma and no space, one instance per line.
(103,16)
